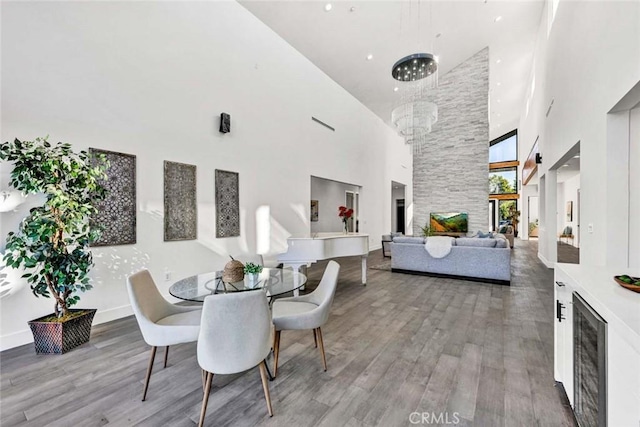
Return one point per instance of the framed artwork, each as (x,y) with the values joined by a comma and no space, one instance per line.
(180,202)
(314,211)
(116,215)
(569,211)
(227,204)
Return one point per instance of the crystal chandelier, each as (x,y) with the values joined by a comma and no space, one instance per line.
(415,114)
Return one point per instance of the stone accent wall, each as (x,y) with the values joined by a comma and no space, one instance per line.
(451,174)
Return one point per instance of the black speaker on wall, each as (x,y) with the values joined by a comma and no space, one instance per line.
(538,158)
(225,123)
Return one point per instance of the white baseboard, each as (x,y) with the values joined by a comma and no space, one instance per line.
(24,336)
(112,314)
(545,261)
(15,339)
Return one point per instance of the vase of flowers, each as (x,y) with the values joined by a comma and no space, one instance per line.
(345,215)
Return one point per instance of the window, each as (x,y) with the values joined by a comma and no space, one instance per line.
(504,149)
(503,178)
(503,208)
(503,181)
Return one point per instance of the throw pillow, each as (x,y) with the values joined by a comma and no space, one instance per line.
(483,235)
(408,239)
(483,243)
(503,229)
(502,243)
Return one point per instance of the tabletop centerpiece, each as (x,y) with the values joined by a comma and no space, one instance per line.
(345,215)
(628,282)
(252,271)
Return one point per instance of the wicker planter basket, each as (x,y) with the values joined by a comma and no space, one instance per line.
(61,337)
(233,272)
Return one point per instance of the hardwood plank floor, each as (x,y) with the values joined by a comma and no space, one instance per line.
(450,350)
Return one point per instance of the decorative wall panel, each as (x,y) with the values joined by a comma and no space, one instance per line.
(451,174)
(227,204)
(180,202)
(116,215)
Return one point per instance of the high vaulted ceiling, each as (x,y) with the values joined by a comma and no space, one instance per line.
(339,42)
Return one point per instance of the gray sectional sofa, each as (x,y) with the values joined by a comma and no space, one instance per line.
(471,258)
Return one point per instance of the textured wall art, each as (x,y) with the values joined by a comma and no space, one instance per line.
(116,215)
(180,202)
(314,210)
(227,204)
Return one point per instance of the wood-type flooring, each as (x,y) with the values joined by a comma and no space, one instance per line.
(404,348)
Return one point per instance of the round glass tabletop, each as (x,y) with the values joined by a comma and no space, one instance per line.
(276,281)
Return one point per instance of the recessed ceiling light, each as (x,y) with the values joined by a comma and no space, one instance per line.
(369,57)
(395,89)
(327,7)
(352,9)
(498,61)
(565,165)
(498,114)
(498,101)
(499,84)
(577,156)
(498,19)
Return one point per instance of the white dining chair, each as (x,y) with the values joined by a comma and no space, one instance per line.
(162,324)
(309,311)
(234,337)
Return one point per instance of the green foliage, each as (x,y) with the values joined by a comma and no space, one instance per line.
(505,208)
(426,230)
(533,226)
(500,185)
(52,242)
(513,214)
(251,268)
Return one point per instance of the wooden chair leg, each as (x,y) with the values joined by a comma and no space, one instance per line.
(204,378)
(315,339)
(276,353)
(149,369)
(166,355)
(205,398)
(321,342)
(265,386)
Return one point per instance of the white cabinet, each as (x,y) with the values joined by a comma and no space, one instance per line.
(620,308)
(563,332)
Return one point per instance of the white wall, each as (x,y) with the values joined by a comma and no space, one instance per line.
(151,79)
(532,208)
(330,195)
(569,193)
(560,208)
(583,90)
(634,189)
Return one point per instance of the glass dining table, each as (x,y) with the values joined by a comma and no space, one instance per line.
(275,281)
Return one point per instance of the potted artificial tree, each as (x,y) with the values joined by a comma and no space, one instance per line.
(514,217)
(52,242)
